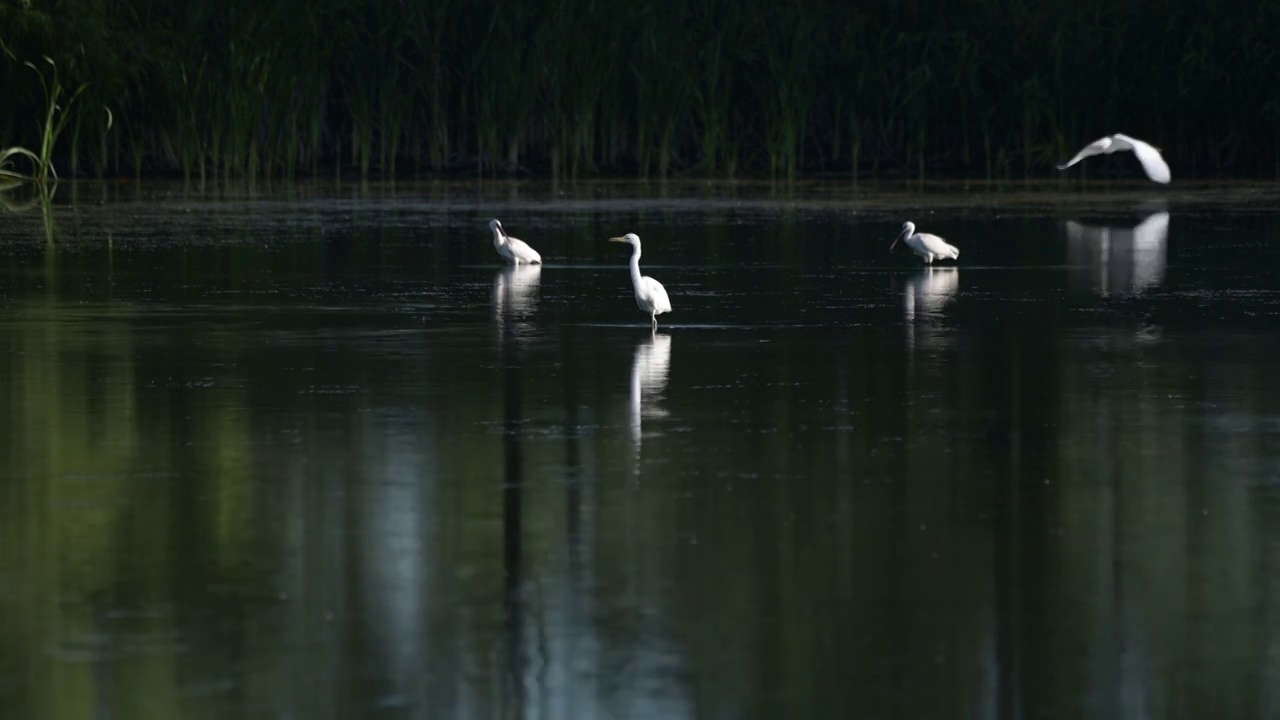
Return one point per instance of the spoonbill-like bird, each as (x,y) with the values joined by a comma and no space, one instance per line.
(651,297)
(929,247)
(1152,163)
(512,250)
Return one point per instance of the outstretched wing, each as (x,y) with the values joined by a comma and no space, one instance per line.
(522,252)
(1096,147)
(1152,163)
(657,294)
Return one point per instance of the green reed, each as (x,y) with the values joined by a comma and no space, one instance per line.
(579,87)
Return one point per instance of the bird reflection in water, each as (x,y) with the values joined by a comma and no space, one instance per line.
(648,380)
(929,290)
(926,294)
(1120,259)
(515,297)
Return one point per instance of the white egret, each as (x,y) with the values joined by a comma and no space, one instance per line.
(512,250)
(1121,259)
(929,247)
(1152,163)
(651,297)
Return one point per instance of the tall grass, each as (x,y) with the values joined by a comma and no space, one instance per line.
(57,112)
(9,175)
(576,87)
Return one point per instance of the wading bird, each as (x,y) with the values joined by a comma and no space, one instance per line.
(512,250)
(651,297)
(929,247)
(1149,156)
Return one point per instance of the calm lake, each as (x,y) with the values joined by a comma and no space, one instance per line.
(312,452)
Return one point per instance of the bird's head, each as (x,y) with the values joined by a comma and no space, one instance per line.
(496,226)
(630,238)
(908,229)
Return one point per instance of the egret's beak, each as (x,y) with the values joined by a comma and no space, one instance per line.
(617,239)
(894,244)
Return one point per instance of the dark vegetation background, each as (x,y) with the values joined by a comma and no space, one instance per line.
(990,88)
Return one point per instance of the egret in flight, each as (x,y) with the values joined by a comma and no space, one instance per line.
(929,247)
(512,250)
(1149,156)
(651,297)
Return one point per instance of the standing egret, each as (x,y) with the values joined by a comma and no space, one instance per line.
(651,297)
(512,250)
(1149,156)
(925,245)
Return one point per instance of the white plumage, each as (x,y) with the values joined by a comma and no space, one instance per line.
(651,297)
(929,247)
(512,250)
(1152,163)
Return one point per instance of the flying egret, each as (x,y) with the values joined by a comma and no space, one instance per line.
(1149,156)
(512,250)
(925,245)
(651,297)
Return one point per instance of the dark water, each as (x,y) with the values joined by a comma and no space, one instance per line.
(311,453)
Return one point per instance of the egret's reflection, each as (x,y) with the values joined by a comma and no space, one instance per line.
(929,291)
(648,380)
(515,297)
(396,567)
(926,294)
(1120,259)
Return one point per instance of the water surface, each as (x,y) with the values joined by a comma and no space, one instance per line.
(312,452)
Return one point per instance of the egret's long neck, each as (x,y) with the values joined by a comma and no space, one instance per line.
(635,266)
(498,238)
